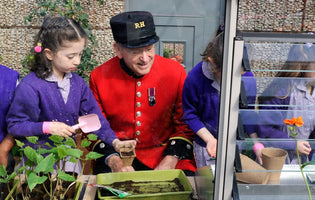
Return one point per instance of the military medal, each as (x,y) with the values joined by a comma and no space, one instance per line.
(151,94)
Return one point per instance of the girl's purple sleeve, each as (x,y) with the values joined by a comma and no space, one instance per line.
(190,104)
(22,117)
(270,123)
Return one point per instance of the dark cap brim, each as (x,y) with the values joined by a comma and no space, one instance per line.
(141,42)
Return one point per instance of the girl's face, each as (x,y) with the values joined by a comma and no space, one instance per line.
(67,58)
(139,60)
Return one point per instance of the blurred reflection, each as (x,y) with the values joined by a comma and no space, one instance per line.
(289,95)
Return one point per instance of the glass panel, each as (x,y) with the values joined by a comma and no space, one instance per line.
(282,87)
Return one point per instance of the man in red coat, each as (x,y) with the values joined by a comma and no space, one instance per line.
(140,94)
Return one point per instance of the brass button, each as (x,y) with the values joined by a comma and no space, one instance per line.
(138,113)
(138,132)
(138,104)
(137,139)
(138,123)
(138,83)
(138,94)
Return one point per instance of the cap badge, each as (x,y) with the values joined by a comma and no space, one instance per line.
(139,25)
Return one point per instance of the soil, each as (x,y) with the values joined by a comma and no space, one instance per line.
(145,187)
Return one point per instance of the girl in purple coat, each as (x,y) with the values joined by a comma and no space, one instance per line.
(291,94)
(49,100)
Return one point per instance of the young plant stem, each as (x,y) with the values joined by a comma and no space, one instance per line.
(44,186)
(301,168)
(68,188)
(9,196)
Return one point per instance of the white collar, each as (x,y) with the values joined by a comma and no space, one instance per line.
(207,71)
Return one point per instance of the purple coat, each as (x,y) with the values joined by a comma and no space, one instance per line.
(8,80)
(272,112)
(37,100)
(200,103)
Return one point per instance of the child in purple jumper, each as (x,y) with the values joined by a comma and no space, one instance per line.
(8,81)
(201,100)
(50,99)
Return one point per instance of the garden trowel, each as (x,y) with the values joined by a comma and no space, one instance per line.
(88,123)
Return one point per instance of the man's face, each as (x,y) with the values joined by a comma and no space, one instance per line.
(139,60)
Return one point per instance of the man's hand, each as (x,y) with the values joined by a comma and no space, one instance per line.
(118,143)
(116,164)
(168,162)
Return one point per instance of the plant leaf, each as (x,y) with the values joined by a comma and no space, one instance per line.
(3,180)
(93,155)
(19,143)
(64,176)
(92,137)
(70,142)
(62,151)
(48,145)
(85,143)
(57,139)
(73,160)
(305,164)
(46,165)
(30,153)
(77,153)
(21,169)
(33,180)
(3,171)
(11,176)
(32,139)
(53,150)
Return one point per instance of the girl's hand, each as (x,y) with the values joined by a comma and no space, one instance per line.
(212,147)
(5,147)
(60,128)
(259,156)
(304,147)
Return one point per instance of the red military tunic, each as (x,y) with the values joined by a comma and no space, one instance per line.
(124,101)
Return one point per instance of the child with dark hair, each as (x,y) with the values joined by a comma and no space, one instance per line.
(291,94)
(201,100)
(50,99)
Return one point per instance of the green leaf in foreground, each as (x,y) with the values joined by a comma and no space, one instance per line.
(33,180)
(64,176)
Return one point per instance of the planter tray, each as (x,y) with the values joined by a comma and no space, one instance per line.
(143,185)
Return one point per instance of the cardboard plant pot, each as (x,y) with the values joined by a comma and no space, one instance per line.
(253,173)
(127,154)
(273,160)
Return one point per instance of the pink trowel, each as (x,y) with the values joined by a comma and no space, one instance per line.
(88,123)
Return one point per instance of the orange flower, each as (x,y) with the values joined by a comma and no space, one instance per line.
(299,122)
(288,121)
(294,121)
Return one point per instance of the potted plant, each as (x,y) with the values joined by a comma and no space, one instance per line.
(43,175)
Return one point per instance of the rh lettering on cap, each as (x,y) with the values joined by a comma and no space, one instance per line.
(139,25)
